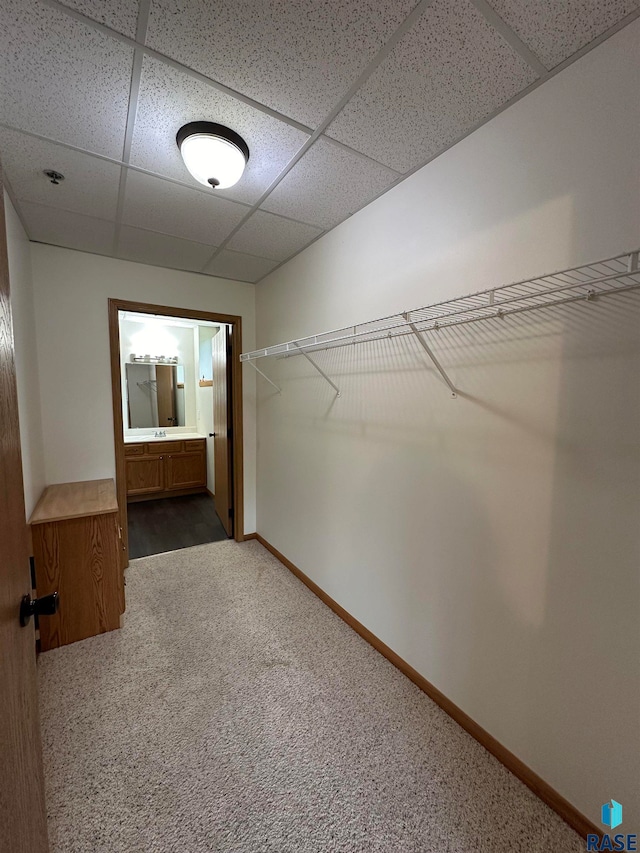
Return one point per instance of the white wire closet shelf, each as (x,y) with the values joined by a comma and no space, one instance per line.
(588,282)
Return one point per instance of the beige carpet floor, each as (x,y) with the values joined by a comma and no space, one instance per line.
(235,712)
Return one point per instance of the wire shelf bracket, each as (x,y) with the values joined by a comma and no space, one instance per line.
(425,346)
(319,369)
(589,282)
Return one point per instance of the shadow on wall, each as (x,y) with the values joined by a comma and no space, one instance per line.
(588,665)
(489,540)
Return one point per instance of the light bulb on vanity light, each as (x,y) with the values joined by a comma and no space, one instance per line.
(215,155)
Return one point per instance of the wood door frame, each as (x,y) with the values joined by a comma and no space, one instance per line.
(237,455)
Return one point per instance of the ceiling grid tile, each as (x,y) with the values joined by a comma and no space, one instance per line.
(118,15)
(239,265)
(90,185)
(449,71)
(151,247)
(159,206)
(328,184)
(270,236)
(296,56)
(72,80)
(71,230)
(554,31)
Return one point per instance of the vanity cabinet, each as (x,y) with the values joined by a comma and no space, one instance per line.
(160,469)
(145,474)
(76,547)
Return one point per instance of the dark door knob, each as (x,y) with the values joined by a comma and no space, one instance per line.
(45,606)
(212,435)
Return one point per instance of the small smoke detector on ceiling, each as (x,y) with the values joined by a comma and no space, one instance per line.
(54,177)
(215,155)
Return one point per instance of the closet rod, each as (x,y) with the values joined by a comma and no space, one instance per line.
(587,282)
(434,327)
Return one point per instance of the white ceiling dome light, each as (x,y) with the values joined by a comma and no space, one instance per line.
(213,154)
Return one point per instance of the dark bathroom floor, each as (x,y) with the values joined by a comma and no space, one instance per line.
(172,523)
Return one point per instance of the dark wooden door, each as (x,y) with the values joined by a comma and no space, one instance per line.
(221,349)
(23,821)
(166,392)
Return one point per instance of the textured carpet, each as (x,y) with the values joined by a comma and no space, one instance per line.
(235,712)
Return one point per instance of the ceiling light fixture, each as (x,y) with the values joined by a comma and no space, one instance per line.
(213,154)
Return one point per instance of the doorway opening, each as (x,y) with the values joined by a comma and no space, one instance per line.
(177,413)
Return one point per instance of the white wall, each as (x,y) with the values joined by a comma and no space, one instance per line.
(24,334)
(492,541)
(71,292)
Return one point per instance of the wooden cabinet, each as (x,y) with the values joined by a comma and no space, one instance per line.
(185,470)
(161,469)
(145,474)
(76,546)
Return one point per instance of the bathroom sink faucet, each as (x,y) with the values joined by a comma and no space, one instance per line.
(160,433)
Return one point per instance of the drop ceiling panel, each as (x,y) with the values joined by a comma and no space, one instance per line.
(159,205)
(271,236)
(555,30)
(240,266)
(63,228)
(449,72)
(62,78)
(297,56)
(328,184)
(169,98)
(120,15)
(149,247)
(90,185)
(65,79)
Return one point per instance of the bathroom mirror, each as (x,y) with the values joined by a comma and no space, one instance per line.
(155,395)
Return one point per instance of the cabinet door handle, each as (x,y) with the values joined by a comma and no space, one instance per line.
(162,457)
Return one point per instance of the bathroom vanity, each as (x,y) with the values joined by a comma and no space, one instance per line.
(165,467)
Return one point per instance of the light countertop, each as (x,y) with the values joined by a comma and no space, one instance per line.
(176,436)
(75,500)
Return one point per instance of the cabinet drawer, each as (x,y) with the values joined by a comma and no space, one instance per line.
(134,450)
(195,444)
(161,448)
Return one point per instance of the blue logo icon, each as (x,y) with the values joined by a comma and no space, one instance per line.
(612,814)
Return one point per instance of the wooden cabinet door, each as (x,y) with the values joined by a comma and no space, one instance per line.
(145,474)
(79,558)
(184,470)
